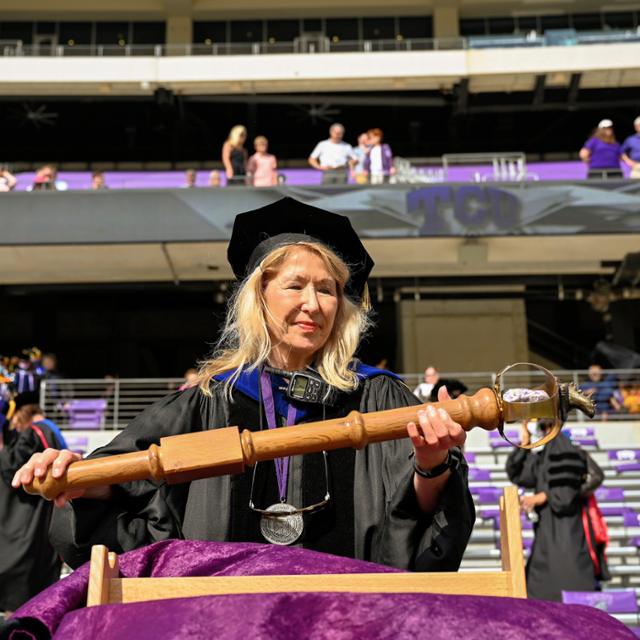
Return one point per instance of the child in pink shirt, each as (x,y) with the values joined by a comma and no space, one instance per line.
(263,167)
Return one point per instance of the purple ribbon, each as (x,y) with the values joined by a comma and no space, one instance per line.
(282,464)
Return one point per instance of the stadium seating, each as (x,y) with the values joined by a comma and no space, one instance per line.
(618,498)
(86,414)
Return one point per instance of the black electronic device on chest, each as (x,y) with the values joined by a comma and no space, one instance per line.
(306,386)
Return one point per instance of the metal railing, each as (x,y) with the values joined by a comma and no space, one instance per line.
(504,166)
(125,398)
(16,48)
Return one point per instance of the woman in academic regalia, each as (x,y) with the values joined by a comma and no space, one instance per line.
(286,356)
(565,554)
(28,562)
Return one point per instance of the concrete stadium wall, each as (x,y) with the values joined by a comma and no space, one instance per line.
(462,335)
(601,66)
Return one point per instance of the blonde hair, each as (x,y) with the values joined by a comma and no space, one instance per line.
(245,342)
(235,134)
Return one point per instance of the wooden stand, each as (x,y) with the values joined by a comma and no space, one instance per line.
(105,587)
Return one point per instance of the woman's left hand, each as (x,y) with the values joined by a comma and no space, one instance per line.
(434,434)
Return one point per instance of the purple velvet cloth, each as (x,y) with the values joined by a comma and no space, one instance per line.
(288,616)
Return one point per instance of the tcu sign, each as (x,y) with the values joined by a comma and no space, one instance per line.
(468,208)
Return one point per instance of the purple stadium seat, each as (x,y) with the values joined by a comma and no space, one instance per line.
(585,442)
(613,511)
(635,631)
(479,474)
(470,457)
(627,455)
(487,495)
(631,519)
(496,441)
(526,523)
(86,414)
(583,436)
(494,514)
(512,434)
(77,444)
(614,494)
(621,467)
(580,432)
(611,601)
(490,514)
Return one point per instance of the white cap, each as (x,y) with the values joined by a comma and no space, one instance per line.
(637,121)
(605,124)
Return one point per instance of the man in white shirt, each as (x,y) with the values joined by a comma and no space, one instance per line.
(333,157)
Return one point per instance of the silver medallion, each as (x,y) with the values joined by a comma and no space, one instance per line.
(281,528)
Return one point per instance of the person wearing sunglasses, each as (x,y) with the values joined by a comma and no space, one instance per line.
(286,356)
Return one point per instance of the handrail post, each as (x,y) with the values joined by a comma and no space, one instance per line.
(43,395)
(116,403)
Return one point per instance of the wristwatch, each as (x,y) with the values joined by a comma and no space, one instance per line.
(451,462)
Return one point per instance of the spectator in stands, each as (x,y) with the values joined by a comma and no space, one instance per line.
(630,398)
(603,153)
(45,179)
(564,556)
(190,179)
(190,379)
(631,147)
(453,386)
(28,562)
(379,161)
(49,365)
(8,181)
(602,390)
(98,182)
(25,378)
(423,390)
(358,171)
(263,166)
(333,157)
(50,373)
(234,156)
(214,179)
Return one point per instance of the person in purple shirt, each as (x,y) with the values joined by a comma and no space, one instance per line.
(378,163)
(602,153)
(631,147)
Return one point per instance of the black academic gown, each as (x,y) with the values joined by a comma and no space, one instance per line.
(560,557)
(373,512)
(28,562)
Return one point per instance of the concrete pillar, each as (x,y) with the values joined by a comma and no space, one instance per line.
(446,21)
(461,335)
(179,21)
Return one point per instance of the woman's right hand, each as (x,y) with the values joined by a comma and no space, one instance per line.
(38,466)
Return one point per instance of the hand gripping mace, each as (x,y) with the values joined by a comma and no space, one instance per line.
(215,452)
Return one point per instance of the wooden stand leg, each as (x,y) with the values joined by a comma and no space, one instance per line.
(511,542)
(102,568)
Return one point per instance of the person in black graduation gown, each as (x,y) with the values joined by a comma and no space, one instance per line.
(298,308)
(561,475)
(28,562)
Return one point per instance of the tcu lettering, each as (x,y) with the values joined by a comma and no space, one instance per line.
(473,207)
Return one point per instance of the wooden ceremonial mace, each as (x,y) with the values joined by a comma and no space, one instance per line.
(216,452)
